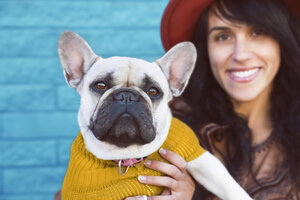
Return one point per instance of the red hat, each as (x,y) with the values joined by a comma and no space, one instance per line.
(180,18)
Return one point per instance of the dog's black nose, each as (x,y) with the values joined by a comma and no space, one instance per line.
(126,95)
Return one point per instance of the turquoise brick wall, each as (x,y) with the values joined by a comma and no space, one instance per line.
(38,111)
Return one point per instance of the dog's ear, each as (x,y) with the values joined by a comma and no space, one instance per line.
(178,64)
(76,57)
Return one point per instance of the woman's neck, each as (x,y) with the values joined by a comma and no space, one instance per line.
(257,113)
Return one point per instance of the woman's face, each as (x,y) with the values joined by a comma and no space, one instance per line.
(243,59)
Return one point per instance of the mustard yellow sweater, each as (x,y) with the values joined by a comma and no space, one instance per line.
(89,178)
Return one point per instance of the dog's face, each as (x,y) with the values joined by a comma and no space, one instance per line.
(124,109)
(122,102)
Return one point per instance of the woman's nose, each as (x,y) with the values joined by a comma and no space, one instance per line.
(241,50)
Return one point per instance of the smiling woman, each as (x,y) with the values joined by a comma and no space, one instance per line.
(244,59)
(243,98)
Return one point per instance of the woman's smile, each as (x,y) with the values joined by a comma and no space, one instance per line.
(243,75)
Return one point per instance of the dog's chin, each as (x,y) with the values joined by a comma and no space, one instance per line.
(126,131)
(108,151)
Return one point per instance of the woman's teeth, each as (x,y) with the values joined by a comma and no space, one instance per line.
(243,74)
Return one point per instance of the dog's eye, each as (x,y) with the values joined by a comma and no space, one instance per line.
(153,91)
(101,85)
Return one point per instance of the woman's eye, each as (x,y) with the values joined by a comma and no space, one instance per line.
(153,92)
(258,32)
(101,85)
(222,37)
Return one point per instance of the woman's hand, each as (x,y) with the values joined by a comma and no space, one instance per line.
(178,183)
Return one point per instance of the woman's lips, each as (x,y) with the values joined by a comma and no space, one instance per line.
(243,75)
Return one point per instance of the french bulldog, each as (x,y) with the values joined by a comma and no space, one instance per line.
(124,114)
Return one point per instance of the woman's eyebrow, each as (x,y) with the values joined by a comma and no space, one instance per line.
(217,28)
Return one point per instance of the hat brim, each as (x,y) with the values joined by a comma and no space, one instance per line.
(180,18)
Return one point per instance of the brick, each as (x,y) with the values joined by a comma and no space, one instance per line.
(27,98)
(1,126)
(81,13)
(35,70)
(40,125)
(28,42)
(27,153)
(1,182)
(68,99)
(152,58)
(48,196)
(105,42)
(132,43)
(64,149)
(33,180)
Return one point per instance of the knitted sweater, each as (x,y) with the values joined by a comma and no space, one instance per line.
(90,178)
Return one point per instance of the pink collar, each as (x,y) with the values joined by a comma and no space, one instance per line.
(129,162)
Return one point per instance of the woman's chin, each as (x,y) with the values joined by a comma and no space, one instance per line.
(243,97)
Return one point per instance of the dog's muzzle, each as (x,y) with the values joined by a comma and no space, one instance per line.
(124,119)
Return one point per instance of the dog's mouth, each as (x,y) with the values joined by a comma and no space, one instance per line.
(123,119)
(124,130)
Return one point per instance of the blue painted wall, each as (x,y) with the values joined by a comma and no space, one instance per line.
(38,111)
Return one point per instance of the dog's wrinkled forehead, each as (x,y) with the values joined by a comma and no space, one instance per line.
(127,72)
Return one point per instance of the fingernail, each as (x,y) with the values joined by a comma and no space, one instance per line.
(147,162)
(142,178)
(143,198)
(162,151)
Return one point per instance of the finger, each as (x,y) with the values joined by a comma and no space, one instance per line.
(163,181)
(166,197)
(173,158)
(166,191)
(166,168)
(138,198)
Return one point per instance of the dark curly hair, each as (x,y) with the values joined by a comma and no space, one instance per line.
(210,104)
